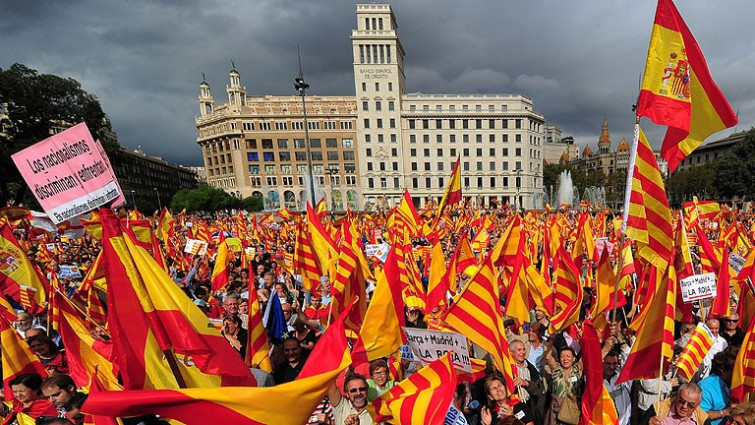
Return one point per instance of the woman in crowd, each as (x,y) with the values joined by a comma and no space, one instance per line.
(565,382)
(50,354)
(27,400)
(235,334)
(380,379)
(501,404)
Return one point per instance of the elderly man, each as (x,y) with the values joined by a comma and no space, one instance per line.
(529,384)
(682,409)
(719,345)
(351,409)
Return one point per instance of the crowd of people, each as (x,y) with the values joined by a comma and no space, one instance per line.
(549,375)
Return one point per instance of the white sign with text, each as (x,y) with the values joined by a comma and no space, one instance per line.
(428,346)
(698,287)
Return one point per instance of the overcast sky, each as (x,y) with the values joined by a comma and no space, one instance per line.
(579,61)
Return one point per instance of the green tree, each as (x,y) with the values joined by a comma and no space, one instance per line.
(694,181)
(735,171)
(32,105)
(206,198)
(582,180)
(252,203)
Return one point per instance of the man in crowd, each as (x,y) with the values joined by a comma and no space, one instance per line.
(351,409)
(682,409)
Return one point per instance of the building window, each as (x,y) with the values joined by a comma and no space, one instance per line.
(426,152)
(379,123)
(361,50)
(383,182)
(267,143)
(415,183)
(282,143)
(268,156)
(315,143)
(452,138)
(411,125)
(346,125)
(440,166)
(395,166)
(316,156)
(391,105)
(365,105)
(332,155)
(378,104)
(390,85)
(347,143)
(371,183)
(284,156)
(369,166)
(412,138)
(252,156)
(392,123)
(331,143)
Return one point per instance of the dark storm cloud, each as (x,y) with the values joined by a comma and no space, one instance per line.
(579,61)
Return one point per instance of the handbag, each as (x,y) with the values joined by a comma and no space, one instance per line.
(569,412)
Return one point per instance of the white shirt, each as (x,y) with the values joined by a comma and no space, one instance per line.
(719,345)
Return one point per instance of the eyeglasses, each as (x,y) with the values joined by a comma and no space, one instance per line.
(682,402)
(358,390)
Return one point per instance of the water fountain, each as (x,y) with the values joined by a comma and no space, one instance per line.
(565,189)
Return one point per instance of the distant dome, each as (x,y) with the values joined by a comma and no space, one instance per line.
(587,151)
(623,146)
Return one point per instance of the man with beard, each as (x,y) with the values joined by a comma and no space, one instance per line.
(351,409)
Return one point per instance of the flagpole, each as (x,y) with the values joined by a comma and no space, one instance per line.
(82,311)
(660,378)
(627,200)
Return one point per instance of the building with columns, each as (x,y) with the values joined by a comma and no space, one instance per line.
(382,139)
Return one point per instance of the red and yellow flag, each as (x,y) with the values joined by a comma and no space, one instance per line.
(452,195)
(693,354)
(476,314)
(18,358)
(422,398)
(597,405)
(569,293)
(678,90)
(306,263)
(149,316)
(221,271)
(655,337)
(17,273)
(385,316)
(743,378)
(291,403)
(649,217)
(257,346)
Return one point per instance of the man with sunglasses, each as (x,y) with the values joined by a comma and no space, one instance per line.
(351,409)
(682,409)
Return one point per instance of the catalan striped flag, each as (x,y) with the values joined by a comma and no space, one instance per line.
(504,251)
(437,283)
(743,378)
(710,256)
(721,306)
(476,314)
(257,345)
(569,293)
(306,263)
(349,281)
(655,337)
(597,405)
(423,398)
(605,290)
(678,90)
(648,218)
(693,354)
(291,403)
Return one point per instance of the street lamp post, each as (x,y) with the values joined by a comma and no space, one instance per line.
(518,172)
(133,198)
(302,86)
(159,202)
(331,172)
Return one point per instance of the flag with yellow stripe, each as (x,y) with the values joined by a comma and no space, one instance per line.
(700,342)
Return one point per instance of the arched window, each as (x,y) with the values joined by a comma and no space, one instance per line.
(273,200)
(337,200)
(289,199)
(351,199)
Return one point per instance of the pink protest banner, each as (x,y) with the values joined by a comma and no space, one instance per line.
(67,174)
(121,199)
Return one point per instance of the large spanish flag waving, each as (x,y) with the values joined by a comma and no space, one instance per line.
(452,194)
(290,403)
(17,274)
(678,90)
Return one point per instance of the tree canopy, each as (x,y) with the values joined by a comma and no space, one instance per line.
(210,199)
(32,107)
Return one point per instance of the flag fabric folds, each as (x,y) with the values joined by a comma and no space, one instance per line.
(678,90)
(150,317)
(19,279)
(597,405)
(17,357)
(423,398)
(648,218)
(694,352)
(290,403)
(655,337)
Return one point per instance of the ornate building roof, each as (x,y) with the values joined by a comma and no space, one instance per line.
(586,151)
(623,145)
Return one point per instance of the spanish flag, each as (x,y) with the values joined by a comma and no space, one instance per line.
(18,358)
(291,403)
(150,317)
(597,406)
(678,90)
(452,194)
(18,272)
(221,271)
